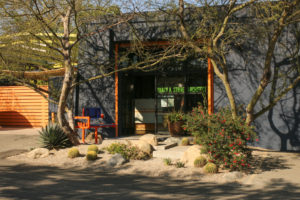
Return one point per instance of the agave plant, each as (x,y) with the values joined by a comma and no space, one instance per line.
(53,137)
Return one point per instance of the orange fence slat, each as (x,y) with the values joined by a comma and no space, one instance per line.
(21,106)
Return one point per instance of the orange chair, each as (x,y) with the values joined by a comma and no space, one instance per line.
(84,121)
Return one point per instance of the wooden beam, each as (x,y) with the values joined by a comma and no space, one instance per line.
(116,91)
(40,75)
(210,87)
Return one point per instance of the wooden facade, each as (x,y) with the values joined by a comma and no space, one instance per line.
(22,107)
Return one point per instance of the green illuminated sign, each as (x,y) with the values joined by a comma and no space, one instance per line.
(180,90)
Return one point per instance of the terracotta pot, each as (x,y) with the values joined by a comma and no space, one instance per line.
(175,128)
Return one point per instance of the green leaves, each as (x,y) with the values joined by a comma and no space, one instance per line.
(223,138)
(53,137)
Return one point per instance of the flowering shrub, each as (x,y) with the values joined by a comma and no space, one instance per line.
(223,138)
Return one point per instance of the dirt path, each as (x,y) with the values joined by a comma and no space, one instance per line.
(277,178)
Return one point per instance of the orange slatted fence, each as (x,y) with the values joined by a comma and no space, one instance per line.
(22,107)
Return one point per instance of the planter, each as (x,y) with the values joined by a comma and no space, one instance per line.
(175,128)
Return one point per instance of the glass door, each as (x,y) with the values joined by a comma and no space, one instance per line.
(170,97)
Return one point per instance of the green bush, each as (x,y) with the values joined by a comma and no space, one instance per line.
(200,161)
(203,150)
(179,164)
(176,116)
(91,155)
(167,161)
(93,148)
(53,137)
(128,152)
(73,153)
(210,168)
(185,141)
(223,138)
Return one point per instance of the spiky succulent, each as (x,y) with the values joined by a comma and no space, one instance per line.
(210,168)
(53,137)
(93,148)
(91,155)
(200,161)
(73,153)
(185,141)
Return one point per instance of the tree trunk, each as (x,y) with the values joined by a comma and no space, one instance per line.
(66,87)
(67,82)
(224,78)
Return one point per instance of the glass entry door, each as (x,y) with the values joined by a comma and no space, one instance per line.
(170,97)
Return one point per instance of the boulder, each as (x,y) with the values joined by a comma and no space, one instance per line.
(172,140)
(149,138)
(190,155)
(91,138)
(116,160)
(142,145)
(38,153)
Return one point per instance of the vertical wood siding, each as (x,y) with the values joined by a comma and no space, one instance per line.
(22,107)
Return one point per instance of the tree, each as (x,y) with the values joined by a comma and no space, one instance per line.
(212,30)
(43,29)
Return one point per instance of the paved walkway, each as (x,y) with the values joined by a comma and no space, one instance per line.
(22,181)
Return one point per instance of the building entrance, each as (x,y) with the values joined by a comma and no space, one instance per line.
(147,97)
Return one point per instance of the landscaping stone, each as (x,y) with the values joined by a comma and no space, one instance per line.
(149,138)
(91,138)
(142,145)
(190,155)
(232,176)
(172,140)
(116,160)
(38,153)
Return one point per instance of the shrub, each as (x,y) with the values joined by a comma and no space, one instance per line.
(203,150)
(200,161)
(185,141)
(73,153)
(223,138)
(179,164)
(53,137)
(176,116)
(128,152)
(91,155)
(93,148)
(167,161)
(210,168)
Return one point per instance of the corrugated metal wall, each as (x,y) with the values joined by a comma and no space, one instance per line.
(22,107)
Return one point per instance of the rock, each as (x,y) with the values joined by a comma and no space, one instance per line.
(172,140)
(91,138)
(232,176)
(190,155)
(38,153)
(116,160)
(142,145)
(149,138)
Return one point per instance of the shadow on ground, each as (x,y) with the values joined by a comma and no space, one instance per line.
(269,163)
(39,182)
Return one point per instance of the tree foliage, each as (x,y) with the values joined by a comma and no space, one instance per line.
(38,34)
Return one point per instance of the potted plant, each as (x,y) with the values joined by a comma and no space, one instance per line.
(175,122)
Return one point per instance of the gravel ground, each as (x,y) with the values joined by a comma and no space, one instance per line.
(276,176)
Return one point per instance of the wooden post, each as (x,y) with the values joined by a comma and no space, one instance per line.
(53,117)
(116,91)
(96,135)
(210,87)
